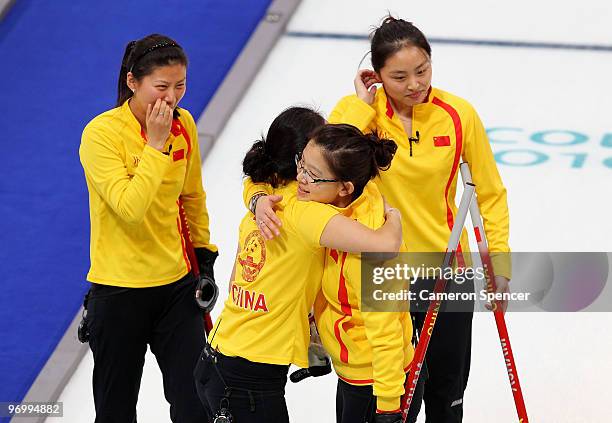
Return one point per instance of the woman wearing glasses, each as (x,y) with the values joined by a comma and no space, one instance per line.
(434,131)
(264,325)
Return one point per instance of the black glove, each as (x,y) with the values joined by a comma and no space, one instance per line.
(388,418)
(206,289)
(206,260)
(83,329)
(319,363)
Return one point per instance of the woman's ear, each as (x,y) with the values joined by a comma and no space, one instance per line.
(347,189)
(130,81)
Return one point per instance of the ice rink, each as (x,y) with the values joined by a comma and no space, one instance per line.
(548,113)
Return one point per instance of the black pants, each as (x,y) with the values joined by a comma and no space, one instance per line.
(121,322)
(357,404)
(448,356)
(253,392)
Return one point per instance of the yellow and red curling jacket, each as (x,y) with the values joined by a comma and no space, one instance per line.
(422,180)
(366,348)
(134,191)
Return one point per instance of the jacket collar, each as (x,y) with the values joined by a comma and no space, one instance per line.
(383,105)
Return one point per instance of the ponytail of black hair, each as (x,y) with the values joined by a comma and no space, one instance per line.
(352,156)
(271,159)
(123,91)
(384,151)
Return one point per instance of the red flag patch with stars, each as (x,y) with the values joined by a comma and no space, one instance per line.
(178,155)
(442,141)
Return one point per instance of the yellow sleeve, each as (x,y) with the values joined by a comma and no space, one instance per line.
(105,169)
(384,332)
(354,111)
(309,220)
(251,188)
(192,195)
(490,191)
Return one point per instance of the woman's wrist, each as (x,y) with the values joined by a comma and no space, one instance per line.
(253,201)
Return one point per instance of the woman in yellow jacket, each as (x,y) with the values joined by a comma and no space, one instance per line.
(264,325)
(434,130)
(370,348)
(140,159)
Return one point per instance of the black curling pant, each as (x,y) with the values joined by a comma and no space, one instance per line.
(121,322)
(252,392)
(357,404)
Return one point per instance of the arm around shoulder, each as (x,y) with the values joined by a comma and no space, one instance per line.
(345,234)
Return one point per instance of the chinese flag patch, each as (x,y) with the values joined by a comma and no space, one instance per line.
(442,141)
(178,155)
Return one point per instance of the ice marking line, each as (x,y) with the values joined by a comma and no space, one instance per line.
(461,41)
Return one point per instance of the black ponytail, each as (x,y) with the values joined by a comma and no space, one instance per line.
(384,151)
(352,156)
(141,57)
(123,91)
(258,165)
(271,159)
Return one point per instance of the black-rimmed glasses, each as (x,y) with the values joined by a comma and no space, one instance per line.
(309,178)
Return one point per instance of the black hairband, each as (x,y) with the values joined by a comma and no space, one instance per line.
(153,48)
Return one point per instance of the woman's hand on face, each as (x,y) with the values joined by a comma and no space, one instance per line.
(364,85)
(159,121)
